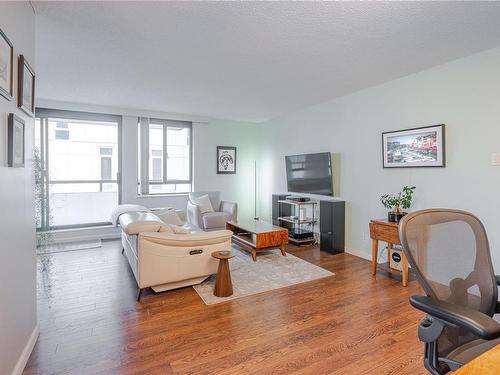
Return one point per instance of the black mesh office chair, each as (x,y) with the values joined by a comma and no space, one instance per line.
(450,254)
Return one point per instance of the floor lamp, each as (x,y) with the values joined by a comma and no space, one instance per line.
(255,217)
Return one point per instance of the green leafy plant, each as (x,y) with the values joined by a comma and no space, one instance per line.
(403,199)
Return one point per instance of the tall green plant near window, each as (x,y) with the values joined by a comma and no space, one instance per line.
(43,235)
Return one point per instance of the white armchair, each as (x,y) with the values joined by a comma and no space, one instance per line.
(222,212)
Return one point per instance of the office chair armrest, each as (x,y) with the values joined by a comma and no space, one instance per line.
(474,321)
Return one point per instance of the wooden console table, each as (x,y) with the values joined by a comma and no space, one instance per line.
(383,230)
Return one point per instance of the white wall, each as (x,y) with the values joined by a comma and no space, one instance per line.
(18,323)
(207,135)
(463,94)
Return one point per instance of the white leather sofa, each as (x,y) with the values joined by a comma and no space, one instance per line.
(164,260)
(221,212)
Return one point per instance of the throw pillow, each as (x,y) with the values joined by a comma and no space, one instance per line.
(203,203)
(169,217)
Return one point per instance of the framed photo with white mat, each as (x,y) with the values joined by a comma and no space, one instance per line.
(6,66)
(417,147)
(15,136)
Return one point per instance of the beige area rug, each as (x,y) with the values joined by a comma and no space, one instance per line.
(270,271)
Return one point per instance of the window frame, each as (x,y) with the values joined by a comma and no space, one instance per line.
(146,155)
(43,115)
(103,157)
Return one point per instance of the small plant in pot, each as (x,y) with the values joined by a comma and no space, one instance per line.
(398,202)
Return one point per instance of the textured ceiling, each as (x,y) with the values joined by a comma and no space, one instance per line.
(245,60)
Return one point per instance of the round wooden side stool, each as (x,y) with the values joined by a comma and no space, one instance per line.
(223,284)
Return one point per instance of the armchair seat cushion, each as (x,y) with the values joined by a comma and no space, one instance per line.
(215,220)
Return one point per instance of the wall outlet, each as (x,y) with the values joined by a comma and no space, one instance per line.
(495,159)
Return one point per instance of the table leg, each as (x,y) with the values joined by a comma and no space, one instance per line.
(389,248)
(404,265)
(223,284)
(282,248)
(374,256)
(254,255)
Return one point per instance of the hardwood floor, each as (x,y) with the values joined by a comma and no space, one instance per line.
(350,323)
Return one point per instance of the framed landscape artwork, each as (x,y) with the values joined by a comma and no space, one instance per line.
(26,87)
(6,66)
(15,135)
(226,160)
(418,147)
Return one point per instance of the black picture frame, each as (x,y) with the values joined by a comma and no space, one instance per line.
(422,147)
(226,160)
(7,92)
(16,141)
(25,72)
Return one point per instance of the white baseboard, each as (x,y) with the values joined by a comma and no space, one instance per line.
(85,234)
(359,254)
(89,237)
(25,355)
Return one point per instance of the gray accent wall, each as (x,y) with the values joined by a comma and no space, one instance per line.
(18,319)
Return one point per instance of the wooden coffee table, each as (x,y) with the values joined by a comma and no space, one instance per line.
(255,235)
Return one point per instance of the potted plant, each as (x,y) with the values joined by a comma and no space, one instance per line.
(396,203)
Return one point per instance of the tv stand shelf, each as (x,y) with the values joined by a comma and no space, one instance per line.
(295,220)
(300,226)
(297,203)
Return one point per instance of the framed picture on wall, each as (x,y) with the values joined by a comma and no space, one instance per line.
(15,136)
(418,147)
(26,87)
(226,160)
(6,66)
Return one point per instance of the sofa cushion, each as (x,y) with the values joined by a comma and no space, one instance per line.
(192,228)
(137,222)
(203,203)
(166,228)
(179,230)
(215,220)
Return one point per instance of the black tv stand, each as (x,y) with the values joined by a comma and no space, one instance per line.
(331,221)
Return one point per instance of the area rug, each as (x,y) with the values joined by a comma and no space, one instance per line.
(68,246)
(270,271)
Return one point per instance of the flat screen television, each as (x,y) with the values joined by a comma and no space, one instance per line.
(309,173)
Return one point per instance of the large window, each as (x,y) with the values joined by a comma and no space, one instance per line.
(78,168)
(165,156)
